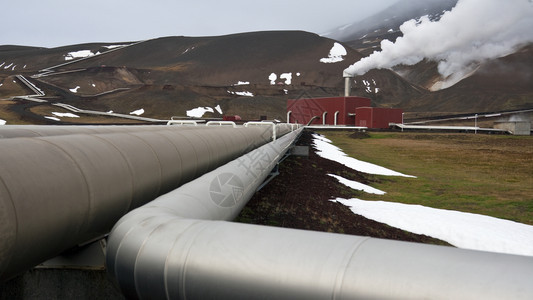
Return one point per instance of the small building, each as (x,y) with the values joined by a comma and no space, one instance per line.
(515,127)
(325,111)
(377,117)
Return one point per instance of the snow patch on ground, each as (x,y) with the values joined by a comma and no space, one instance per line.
(115,46)
(188,49)
(199,112)
(218,109)
(368,86)
(75,90)
(137,112)
(329,151)
(53,118)
(79,54)
(357,185)
(2,122)
(242,83)
(68,115)
(287,77)
(243,93)
(463,230)
(335,54)
(272,77)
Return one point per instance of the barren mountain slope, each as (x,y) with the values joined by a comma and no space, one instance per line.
(249,74)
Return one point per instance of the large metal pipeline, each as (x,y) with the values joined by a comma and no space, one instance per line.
(59,191)
(151,230)
(171,249)
(13,131)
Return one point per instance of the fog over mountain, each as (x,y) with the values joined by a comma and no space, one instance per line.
(389,19)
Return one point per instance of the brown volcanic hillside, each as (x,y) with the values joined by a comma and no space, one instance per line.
(168,76)
(224,60)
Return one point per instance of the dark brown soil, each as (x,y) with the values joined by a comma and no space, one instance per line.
(300,198)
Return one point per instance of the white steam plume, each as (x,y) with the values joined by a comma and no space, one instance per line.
(473,31)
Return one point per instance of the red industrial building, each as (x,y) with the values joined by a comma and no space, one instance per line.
(346,111)
(377,117)
(329,111)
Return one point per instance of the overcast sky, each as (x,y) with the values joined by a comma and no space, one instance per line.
(52,23)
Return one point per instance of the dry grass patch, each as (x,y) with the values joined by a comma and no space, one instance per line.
(483,174)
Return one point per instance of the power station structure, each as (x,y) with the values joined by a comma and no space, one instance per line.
(162,197)
(341,111)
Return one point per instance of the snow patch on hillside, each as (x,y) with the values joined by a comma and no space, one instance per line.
(335,54)
(2,122)
(463,230)
(243,93)
(218,109)
(80,54)
(272,77)
(115,46)
(287,77)
(137,112)
(75,90)
(199,112)
(370,87)
(68,115)
(188,49)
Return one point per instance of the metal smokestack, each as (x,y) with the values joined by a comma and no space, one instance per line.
(347,83)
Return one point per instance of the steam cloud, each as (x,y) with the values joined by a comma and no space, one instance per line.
(473,31)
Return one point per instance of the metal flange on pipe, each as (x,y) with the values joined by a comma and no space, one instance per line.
(180,246)
(67,185)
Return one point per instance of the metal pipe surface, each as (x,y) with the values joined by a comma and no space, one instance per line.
(171,249)
(59,191)
(151,230)
(12,131)
(198,259)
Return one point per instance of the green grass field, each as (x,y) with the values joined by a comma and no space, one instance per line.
(483,174)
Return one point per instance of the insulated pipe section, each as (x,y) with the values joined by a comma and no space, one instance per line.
(12,131)
(59,191)
(193,259)
(139,248)
(170,249)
